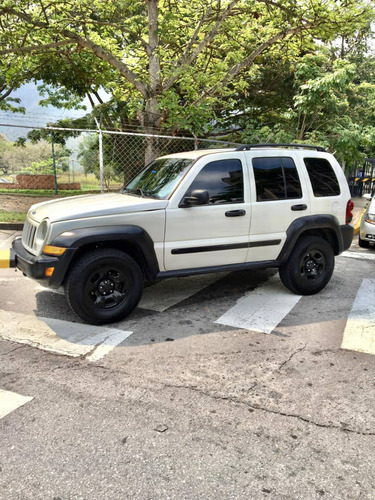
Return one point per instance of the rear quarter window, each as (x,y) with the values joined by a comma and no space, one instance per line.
(322,177)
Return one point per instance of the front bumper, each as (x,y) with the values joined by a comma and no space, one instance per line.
(35,267)
(367,231)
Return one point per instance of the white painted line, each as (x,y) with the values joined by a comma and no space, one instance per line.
(109,343)
(10,401)
(16,278)
(41,288)
(57,336)
(262,309)
(359,333)
(170,292)
(358,255)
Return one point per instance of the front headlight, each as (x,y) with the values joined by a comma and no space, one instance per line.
(41,235)
(370,218)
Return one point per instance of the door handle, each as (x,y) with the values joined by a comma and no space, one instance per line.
(235,213)
(295,208)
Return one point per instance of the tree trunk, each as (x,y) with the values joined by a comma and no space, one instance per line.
(151,123)
(151,115)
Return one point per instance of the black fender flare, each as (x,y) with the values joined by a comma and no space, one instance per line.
(313,223)
(132,235)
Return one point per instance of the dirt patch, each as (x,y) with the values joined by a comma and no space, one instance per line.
(14,203)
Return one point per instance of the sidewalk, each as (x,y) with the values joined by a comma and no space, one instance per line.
(7,236)
(360,205)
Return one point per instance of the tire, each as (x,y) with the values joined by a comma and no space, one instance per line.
(309,267)
(363,243)
(104,286)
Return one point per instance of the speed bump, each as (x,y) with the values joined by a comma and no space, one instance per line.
(7,258)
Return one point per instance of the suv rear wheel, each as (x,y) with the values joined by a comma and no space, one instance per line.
(309,267)
(104,286)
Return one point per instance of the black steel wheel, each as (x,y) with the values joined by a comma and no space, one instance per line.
(309,267)
(104,286)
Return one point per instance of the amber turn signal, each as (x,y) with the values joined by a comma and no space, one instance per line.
(49,271)
(51,250)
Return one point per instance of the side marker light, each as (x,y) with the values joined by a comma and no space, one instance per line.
(49,271)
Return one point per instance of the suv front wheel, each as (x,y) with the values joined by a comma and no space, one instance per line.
(104,286)
(309,267)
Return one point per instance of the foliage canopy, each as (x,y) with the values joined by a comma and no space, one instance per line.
(193,66)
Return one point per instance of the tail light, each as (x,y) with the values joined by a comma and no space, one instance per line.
(349,213)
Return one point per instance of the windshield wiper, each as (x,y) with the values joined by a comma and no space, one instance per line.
(138,190)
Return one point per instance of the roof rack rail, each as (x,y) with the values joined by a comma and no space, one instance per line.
(247,147)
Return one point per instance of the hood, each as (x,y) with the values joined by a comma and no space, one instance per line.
(80,207)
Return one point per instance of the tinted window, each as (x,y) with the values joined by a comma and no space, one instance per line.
(159,178)
(322,176)
(223,180)
(276,179)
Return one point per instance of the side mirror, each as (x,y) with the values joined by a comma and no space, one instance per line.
(367,196)
(198,197)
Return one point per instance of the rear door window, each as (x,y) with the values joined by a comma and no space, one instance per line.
(322,177)
(276,178)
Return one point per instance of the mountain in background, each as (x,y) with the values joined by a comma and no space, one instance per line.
(36,115)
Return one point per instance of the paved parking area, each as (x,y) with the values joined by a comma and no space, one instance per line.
(222,387)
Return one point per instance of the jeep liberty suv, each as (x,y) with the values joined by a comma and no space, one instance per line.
(258,206)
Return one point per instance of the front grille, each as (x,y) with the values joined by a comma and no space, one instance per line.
(28,234)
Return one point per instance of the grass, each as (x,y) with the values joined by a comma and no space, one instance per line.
(89,184)
(46,192)
(12,216)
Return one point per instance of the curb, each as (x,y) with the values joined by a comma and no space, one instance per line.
(11,226)
(358,221)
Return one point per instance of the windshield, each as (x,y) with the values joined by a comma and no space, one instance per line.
(159,178)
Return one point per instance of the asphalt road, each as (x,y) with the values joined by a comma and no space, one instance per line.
(176,402)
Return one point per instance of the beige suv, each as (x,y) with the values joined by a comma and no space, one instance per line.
(258,206)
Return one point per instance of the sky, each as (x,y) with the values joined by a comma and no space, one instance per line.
(36,115)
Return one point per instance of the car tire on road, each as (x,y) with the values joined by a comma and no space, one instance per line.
(104,286)
(309,267)
(363,243)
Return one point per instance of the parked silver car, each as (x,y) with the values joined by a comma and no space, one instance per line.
(367,227)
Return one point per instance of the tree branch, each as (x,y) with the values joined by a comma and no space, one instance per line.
(186,59)
(237,68)
(6,94)
(96,49)
(35,48)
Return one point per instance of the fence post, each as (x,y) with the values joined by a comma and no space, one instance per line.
(54,164)
(101,167)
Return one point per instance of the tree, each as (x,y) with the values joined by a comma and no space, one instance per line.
(331,101)
(172,62)
(20,156)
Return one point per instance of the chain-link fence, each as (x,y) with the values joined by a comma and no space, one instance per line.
(59,159)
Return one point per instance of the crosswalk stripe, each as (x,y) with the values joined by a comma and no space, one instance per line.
(169,292)
(262,309)
(107,345)
(10,401)
(359,333)
(58,336)
(358,255)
